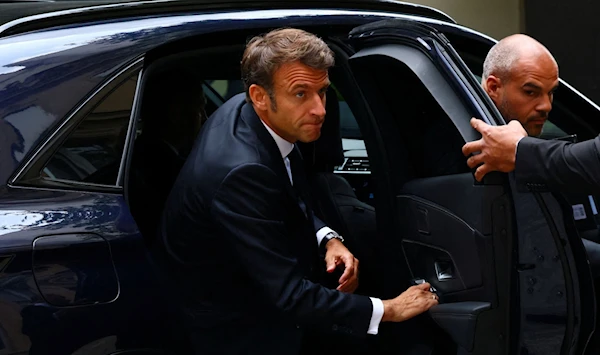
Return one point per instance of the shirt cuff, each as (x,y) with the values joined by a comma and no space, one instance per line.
(322,233)
(376,317)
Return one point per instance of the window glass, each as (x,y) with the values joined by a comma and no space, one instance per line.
(226,89)
(356,168)
(348,125)
(92,153)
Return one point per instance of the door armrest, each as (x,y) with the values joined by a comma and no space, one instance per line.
(459,320)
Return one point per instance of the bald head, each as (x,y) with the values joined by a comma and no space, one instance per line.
(504,57)
(520,76)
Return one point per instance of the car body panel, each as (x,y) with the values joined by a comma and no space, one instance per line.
(22,17)
(43,83)
(58,304)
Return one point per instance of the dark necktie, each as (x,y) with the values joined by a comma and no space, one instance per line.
(300,182)
(300,185)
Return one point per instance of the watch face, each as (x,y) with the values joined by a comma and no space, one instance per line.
(334,235)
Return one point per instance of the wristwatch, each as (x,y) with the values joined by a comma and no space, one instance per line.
(332,235)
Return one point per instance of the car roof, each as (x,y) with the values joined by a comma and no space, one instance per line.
(28,15)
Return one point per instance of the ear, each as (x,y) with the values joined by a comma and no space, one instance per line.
(493,87)
(260,97)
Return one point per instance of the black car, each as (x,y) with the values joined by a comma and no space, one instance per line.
(79,197)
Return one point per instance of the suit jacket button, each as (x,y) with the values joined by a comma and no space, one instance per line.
(335,328)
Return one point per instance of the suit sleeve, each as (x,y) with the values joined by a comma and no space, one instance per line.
(573,168)
(318,223)
(249,209)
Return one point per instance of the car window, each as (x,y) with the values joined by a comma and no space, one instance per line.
(348,124)
(93,151)
(226,88)
(356,168)
(220,90)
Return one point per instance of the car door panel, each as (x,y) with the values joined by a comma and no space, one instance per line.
(459,320)
(464,237)
(446,223)
(439,246)
(573,117)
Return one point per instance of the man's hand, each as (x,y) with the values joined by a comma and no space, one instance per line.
(497,147)
(412,302)
(337,254)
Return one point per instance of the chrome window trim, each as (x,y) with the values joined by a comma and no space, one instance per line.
(130,130)
(106,190)
(15,180)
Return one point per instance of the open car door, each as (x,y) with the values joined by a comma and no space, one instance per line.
(511,272)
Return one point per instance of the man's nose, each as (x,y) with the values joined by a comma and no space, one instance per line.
(545,105)
(318,106)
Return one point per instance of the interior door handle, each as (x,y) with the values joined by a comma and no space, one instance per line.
(419,281)
(444,270)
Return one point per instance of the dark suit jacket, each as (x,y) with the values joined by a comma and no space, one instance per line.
(570,168)
(240,250)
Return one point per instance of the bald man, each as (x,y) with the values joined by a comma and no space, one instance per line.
(520,75)
(559,165)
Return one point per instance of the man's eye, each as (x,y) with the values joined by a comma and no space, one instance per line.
(300,94)
(529,93)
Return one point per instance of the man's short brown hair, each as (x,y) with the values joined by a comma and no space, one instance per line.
(266,53)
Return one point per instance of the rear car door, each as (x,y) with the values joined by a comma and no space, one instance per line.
(511,274)
(75,277)
(573,118)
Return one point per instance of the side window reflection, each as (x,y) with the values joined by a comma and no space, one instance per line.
(93,151)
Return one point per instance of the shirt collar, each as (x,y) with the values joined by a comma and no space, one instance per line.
(285,147)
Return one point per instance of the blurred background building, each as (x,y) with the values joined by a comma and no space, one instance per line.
(496,18)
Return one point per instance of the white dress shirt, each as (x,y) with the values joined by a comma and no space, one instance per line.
(285,148)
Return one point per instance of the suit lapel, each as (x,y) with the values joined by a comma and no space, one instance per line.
(301,226)
(267,144)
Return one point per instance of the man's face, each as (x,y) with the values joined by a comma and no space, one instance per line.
(296,110)
(528,92)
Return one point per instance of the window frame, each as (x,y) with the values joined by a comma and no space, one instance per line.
(30,173)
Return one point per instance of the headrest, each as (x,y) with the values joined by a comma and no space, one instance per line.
(173,98)
(327,151)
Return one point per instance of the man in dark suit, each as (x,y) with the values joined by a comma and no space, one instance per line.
(520,75)
(240,239)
